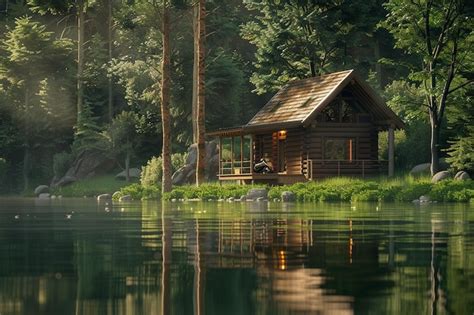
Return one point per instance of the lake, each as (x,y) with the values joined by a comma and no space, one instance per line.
(74,256)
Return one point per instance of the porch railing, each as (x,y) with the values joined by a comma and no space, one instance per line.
(320,168)
(228,167)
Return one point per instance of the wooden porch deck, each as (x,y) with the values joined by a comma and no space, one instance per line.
(270,178)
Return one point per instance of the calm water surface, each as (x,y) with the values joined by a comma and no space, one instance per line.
(78,257)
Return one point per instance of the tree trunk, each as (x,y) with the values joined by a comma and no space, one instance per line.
(80,57)
(110,45)
(26,154)
(434,144)
(26,168)
(195,73)
(127,167)
(201,144)
(165,100)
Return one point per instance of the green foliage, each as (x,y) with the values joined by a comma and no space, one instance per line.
(461,153)
(140,192)
(208,192)
(153,170)
(61,163)
(453,190)
(89,134)
(298,39)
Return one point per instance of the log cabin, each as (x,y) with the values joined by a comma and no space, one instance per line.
(312,128)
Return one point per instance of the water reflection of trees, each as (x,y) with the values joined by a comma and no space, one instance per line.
(176,262)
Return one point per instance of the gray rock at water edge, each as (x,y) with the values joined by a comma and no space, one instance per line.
(53,197)
(420,169)
(288,196)
(104,197)
(230,199)
(276,200)
(41,189)
(440,176)
(424,199)
(260,199)
(462,175)
(44,196)
(417,201)
(125,198)
(243,198)
(256,193)
(173,200)
(133,173)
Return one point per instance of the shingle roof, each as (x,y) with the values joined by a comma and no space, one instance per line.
(298,99)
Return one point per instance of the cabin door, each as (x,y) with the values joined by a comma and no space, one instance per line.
(279,150)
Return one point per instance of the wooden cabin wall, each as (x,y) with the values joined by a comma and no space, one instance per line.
(366,145)
(294,151)
(267,143)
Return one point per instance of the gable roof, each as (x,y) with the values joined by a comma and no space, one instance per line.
(298,102)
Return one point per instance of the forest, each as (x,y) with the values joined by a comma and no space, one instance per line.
(141,80)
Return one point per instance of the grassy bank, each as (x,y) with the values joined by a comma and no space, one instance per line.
(342,189)
(403,188)
(91,187)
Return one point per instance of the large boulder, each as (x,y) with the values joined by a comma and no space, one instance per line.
(41,189)
(462,175)
(44,196)
(440,176)
(187,173)
(88,163)
(288,196)
(256,193)
(421,169)
(132,172)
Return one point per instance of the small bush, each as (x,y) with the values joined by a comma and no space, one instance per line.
(152,172)
(139,192)
(452,190)
(367,195)
(413,191)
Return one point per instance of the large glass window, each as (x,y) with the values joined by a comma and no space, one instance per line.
(235,156)
(339,149)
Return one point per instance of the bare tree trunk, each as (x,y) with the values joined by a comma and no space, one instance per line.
(127,167)
(195,73)
(434,144)
(80,57)
(26,153)
(201,142)
(110,45)
(165,100)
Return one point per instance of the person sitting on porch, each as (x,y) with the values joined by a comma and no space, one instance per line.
(264,166)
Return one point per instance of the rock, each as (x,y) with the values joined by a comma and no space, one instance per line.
(256,193)
(440,176)
(424,199)
(87,163)
(116,195)
(462,175)
(276,200)
(125,198)
(53,197)
(243,198)
(133,173)
(173,200)
(104,197)
(259,199)
(41,189)
(44,196)
(230,199)
(420,169)
(220,200)
(288,196)
(187,173)
(416,201)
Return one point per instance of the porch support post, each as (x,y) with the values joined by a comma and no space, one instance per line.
(391,150)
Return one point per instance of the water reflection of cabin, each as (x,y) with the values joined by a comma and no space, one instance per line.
(312,128)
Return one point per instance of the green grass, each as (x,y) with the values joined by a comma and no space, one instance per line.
(401,188)
(90,187)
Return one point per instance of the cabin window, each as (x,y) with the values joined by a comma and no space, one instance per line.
(340,111)
(342,149)
(235,155)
